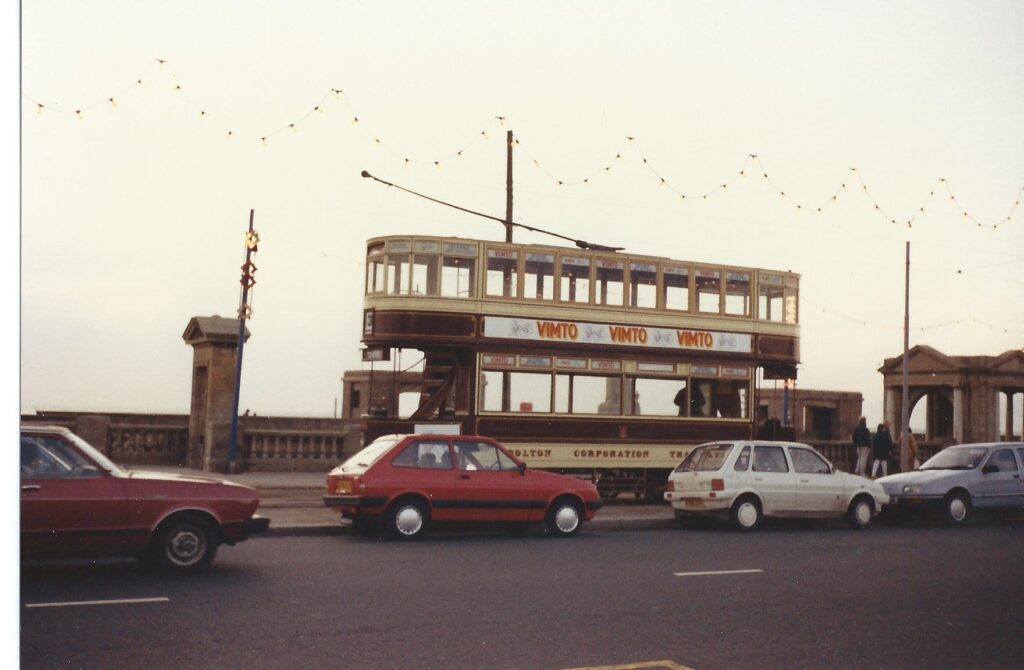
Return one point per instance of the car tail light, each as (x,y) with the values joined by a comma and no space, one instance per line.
(671,486)
(717,484)
(332,483)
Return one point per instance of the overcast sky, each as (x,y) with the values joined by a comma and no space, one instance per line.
(133,211)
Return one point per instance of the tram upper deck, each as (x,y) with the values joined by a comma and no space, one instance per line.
(424,289)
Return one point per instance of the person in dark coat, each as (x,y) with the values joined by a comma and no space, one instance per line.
(862,443)
(881,449)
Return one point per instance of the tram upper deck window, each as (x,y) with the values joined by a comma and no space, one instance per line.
(675,288)
(709,291)
(425,267)
(399,267)
(375,269)
(502,273)
(737,293)
(656,397)
(792,306)
(574,279)
(458,270)
(611,279)
(643,285)
(770,297)
(539,276)
(508,391)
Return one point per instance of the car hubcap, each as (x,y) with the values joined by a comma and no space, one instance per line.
(957,509)
(186,546)
(863,513)
(409,520)
(567,518)
(747,515)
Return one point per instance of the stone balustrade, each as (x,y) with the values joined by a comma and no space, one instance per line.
(291,450)
(147,444)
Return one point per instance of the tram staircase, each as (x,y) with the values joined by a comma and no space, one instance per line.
(439,372)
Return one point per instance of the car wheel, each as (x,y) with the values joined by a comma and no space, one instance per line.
(565,518)
(746,513)
(186,544)
(958,507)
(407,519)
(860,513)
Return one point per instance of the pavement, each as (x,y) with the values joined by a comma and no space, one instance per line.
(293,503)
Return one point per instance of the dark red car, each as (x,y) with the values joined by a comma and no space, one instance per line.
(408,481)
(76,502)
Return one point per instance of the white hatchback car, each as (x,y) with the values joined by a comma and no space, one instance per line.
(748,480)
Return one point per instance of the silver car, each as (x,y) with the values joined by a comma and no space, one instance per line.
(960,479)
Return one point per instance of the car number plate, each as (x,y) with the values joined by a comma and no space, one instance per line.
(693,502)
(343,486)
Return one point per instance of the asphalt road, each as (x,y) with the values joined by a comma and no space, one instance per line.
(790,596)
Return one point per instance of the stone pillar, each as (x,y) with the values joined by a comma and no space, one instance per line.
(1009,415)
(891,409)
(958,415)
(214,342)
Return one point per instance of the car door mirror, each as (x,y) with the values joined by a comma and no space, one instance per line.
(522,468)
(89,471)
(989,469)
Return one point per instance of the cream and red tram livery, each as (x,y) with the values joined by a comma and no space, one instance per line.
(605,364)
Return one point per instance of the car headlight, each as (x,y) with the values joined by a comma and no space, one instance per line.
(909,488)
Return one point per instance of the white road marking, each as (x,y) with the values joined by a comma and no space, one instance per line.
(81,603)
(716,572)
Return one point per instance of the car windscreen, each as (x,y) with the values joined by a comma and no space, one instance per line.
(956,458)
(706,458)
(370,453)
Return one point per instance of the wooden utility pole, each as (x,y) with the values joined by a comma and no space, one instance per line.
(508,189)
(905,398)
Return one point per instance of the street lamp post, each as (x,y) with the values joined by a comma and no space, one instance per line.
(244,311)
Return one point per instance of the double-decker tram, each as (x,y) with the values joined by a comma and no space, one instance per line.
(605,364)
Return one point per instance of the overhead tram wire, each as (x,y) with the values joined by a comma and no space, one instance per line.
(582,244)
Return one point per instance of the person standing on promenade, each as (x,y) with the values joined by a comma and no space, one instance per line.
(862,443)
(881,447)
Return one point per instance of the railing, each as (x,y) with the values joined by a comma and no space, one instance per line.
(147,444)
(292,450)
(844,456)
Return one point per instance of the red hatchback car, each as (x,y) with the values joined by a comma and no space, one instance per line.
(409,481)
(76,502)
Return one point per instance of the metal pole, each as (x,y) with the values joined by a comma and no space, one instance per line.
(247,281)
(508,189)
(905,400)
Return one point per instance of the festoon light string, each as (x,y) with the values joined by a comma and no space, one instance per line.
(723,185)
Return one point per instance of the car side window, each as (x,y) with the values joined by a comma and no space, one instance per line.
(742,461)
(477,456)
(1004,460)
(807,462)
(425,454)
(770,459)
(51,457)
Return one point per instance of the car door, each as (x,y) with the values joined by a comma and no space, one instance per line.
(773,478)
(424,466)
(1000,482)
(68,506)
(490,486)
(818,489)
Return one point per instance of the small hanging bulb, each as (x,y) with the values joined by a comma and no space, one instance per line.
(484,133)
(355,120)
(405,162)
(263,140)
(177,87)
(78,113)
(39,108)
(437,164)
(229,135)
(459,153)
(501,120)
(376,140)
(113,103)
(317,109)
(292,126)
(662,182)
(202,114)
(725,187)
